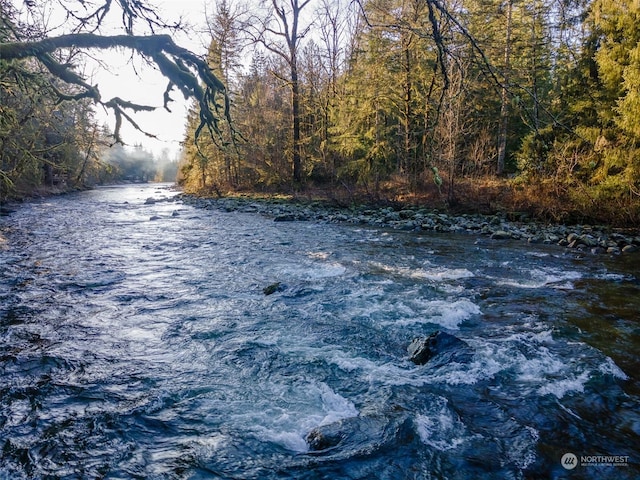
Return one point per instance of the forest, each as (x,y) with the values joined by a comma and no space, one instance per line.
(477,105)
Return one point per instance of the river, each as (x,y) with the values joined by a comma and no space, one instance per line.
(136,341)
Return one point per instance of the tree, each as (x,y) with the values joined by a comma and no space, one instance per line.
(184,70)
(281,32)
(504,99)
(43,141)
(618,60)
(367,116)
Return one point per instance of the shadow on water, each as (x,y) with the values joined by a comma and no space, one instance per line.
(608,316)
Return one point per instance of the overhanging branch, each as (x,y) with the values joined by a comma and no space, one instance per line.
(185,71)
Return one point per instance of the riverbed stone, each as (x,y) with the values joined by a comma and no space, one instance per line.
(588,240)
(364,433)
(501,235)
(323,438)
(572,237)
(421,350)
(406,214)
(497,227)
(629,248)
(273,288)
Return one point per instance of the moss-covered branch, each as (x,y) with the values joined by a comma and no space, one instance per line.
(185,71)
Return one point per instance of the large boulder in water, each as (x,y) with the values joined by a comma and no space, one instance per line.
(448,348)
(361,435)
(327,436)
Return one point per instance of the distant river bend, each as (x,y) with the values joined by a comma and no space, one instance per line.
(136,341)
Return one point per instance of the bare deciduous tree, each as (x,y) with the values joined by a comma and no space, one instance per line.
(280,32)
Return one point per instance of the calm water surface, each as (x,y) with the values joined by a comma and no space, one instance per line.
(136,342)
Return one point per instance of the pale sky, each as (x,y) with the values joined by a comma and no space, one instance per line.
(147,85)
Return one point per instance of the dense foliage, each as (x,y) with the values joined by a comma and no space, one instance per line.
(537,100)
(425,95)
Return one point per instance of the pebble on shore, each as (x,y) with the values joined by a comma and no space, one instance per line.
(587,238)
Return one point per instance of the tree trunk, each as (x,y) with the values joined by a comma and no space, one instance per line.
(409,167)
(295,110)
(504,100)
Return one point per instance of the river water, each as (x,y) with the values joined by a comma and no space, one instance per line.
(136,342)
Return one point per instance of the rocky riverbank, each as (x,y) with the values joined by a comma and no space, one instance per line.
(588,238)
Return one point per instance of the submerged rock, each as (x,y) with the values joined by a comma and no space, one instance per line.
(273,288)
(285,217)
(421,350)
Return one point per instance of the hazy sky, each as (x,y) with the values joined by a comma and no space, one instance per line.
(141,84)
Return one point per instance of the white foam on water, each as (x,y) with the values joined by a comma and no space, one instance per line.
(528,356)
(335,406)
(446,313)
(406,373)
(543,335)
(441,428)
(319,255)
(619,277)
(560,388)
(351,364)
(537,278)
(521,450)
(206,447)
(290,440)
(610,368)
(313,270)
(442,274)
(435,274)
(290,415)
(480,368)
(333,269)
(452,289)
(538,369)
(538,254)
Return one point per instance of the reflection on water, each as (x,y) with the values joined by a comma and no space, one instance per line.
(136,342)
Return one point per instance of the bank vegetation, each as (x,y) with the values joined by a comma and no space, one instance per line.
(479,105)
